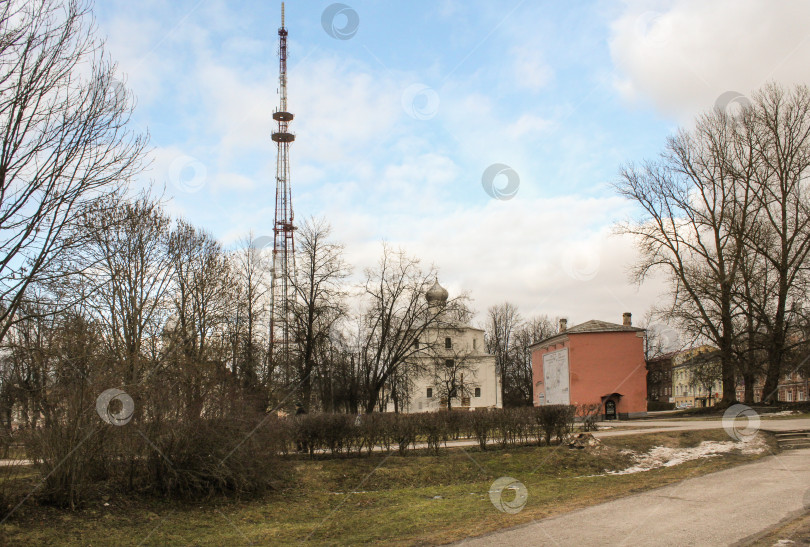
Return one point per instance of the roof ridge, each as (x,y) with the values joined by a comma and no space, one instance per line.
(592,326)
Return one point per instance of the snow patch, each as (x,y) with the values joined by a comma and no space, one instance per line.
(662,456)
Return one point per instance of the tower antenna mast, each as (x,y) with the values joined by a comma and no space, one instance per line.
(282,294)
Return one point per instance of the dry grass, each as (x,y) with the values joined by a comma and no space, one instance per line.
(412,499)
(796,531)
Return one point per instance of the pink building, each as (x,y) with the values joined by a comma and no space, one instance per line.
(595,362)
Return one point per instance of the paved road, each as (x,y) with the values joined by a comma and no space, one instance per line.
(611,429)
(721,508)
(636,427)
(655,426)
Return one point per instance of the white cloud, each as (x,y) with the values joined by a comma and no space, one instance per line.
(358,112)
(130,42)
(373,171)
(683,55)
(418,183)
(531,252)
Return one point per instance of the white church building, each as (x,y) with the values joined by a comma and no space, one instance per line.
(454,364)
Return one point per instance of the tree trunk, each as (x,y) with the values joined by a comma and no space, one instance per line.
(748,387)
(373,395)
(770,393)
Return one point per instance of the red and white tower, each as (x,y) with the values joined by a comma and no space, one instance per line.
(282,294)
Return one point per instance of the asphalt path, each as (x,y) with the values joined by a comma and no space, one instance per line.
(613,429)
(634,427)
(728,507)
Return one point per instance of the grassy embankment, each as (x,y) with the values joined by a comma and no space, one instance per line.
(411,499)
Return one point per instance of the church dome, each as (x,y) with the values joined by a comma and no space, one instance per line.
(436,294)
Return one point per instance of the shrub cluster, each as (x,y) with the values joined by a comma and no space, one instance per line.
(189,458)
(238,452)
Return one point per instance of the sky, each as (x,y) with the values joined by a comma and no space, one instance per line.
(482,137)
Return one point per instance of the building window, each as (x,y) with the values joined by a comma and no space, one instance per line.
(478,392)
(416,343)
(448,343)
(475,343)
(449,363)
(430,393)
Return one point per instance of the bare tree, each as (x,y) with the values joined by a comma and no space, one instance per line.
(127,261)
(203,304)
(727,216)
(251,264)
(396,319)
(28,369)
(454,373)
(518,388)
(704,373)
(750,355)
(320,298)
(340,383)
(64,142)
(780,133)
(697,214)
(502,322)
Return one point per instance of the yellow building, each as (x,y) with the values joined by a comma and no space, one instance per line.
(696,378)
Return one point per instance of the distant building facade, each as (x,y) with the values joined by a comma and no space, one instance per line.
(659,378)
(793,387)
(595,362)
(697,378)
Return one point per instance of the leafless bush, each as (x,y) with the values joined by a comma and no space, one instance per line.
(555,421)
(404,431)
(481,423)
(456,423)
(589,415)
(202,458)
(338,431)
(372,429)
(67,457)
(433,426)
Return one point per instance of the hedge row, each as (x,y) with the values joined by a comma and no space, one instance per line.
(240,456)
(350,433)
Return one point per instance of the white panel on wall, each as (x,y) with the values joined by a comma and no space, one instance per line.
(555,377)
